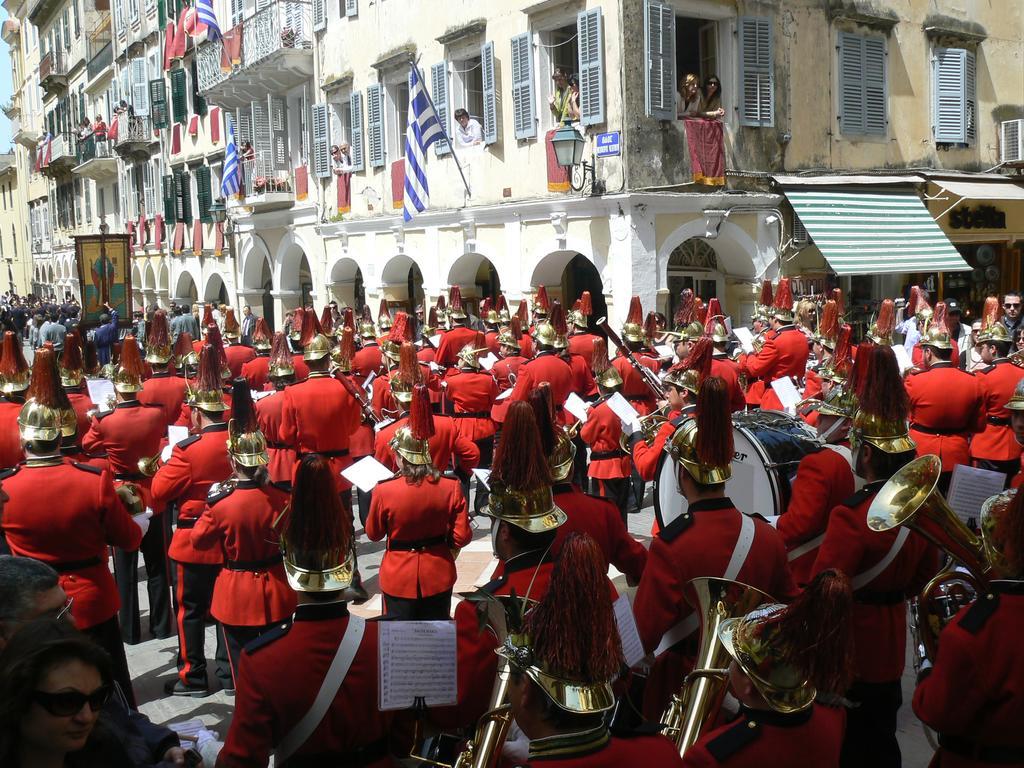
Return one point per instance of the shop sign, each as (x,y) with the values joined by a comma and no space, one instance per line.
(980,217)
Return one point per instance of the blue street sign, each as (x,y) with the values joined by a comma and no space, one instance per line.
(609,144)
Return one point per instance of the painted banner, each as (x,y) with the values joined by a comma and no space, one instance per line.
(105,275)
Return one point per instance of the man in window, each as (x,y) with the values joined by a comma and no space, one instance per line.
(341,159)
(558,102)
(469,132)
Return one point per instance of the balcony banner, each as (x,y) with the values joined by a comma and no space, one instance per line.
(707,150)
(197,237)
(215,125)
(142,232)
(179,238)
(344,192)
(231,53)
(218,239)
(193,125)
(176,139)
(180,40)
(398,183)
(558,177)
(114,128)
(301,182)
(158,232)
(169,46)
(105,275)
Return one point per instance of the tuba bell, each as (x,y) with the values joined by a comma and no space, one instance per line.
(148,465)
(911,498)
(691,710)
(649,427)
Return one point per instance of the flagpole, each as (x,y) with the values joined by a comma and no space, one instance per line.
(444,131)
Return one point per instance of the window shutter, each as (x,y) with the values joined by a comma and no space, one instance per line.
(321,143)
(198,102)
(439,91)
(591,66)
(237,12)
(262,140)
(355,144)
(970,98)
(660,44)
(953,95)
(351,7)
(319,15)
(304,126)
(158,103)
(170,203)
(184,191)
(523,107)
(279,132)
(490,93)
(179,104)
(243,127)
(756,77)
(862,91)
(140,87)
(203,196)
(148,191)
(375,124)
(876,112)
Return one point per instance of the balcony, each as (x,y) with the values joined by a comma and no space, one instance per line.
(53,72)
(24,134)
(99,71)
(12,110)
(96,160)
(59,155)
(266,189)
(274,51)
(134,135)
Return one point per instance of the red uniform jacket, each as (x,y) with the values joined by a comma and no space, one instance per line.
(601,432)
(166,390)
(467,398)
(595,749)
(238,523)
(546,366)
(274,692)
(445,445)
(784,354)
(238,356)
(973,692)
(946,407)
(634,388)
(195,465)
(452,343)
(426,355)
(368,359)
(823,480)
(318,415)
(526,346)
(301,369)
(582,377)
(645,457)
(997,383)
(491,337)
(769,739)
(282,457)
(879,611)
(130,432)
(600,519)
(381,400)
(423,523)
(82,404)
(257,372)
(67,514)
(505,369)
(10,439)
(582,344)
(729,372)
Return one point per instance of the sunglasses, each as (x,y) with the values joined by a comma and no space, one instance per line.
(1011,306)
(68,703)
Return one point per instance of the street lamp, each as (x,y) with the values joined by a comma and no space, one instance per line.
(218,211)
(568,146)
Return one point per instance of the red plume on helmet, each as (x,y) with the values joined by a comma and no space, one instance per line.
(310,328)
(828,325)
(131,360)
(400,331)
(878,385)
(557,318)
(280,354)
(765,299)
(12,362)
(432,318)
(316,521)
(485,305)
(384,311)
(842,356)
(261,333)
(687,312)
(455,299)
(714,441)
(327,321)
(298,320)
(573,638)
(783,296)
(515,327)
(885,323)
(651,328)
(442,303)
(409,371)
(714,314)
(991,313)
(45,388)
(71,357)
(208,315)
(421,419)
(586,304)
(635,315)
(365,315)
(519,460)
(182,345)
(208,377)
(348,317)
(159,336)
(700,357)
(89,359)
(544,414)
(600,362)
(523,313)
(939,318)
(243,409)
(541,300)
(840,300)
(502,304)
(347,345)
(214,340)
(230,322)
(914,304)
(701,309)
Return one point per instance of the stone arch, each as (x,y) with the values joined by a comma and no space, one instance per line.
(345,283)
(185,289)
(738,254)
(164,279)
(255,263)
(137,284)
(476,274)
(401,279)
(290,254)
(149,278)
(215,291)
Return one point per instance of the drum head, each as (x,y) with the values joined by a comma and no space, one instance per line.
(669,502)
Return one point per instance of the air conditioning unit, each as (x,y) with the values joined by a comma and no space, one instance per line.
(800,236)
(1011,141)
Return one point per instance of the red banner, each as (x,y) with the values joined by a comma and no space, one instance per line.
(301,183)
(197,237)
(344,192)
(398,183)
(706,143)
(558,177)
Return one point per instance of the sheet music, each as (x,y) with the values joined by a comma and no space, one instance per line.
(970,487)
(787,392)
(902,357)
(632,647)
(417,660)
(366,473)
(484,476)
(487,361)
(506,394)
(100,390)
(176,434)
(728,323)
(746,338)
(665,350)
(574,404)
(256,396)
(435,340)
(620,407)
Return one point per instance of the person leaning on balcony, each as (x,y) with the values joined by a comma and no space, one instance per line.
(688,104)
(84,129)
(468,132)
(99,129)
(711,101)
(573,107)
(341,157)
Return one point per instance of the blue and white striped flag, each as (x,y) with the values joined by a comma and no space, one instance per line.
(204,8)
(230,182)
(422,131)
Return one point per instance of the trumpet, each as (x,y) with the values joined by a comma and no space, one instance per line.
(650,425)
(149,465)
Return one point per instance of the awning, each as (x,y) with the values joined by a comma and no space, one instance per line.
(874,232)
(981,190)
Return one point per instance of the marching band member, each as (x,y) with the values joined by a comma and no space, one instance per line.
(526,339)
(790,667)
(583,379)
(883,567)
(251,594)
(562,665)
(722,366)
(334,687)
(711,538)
(609,465)
(162,388)
(14,380)
(541,306)
(384,320)
(971,695)
(361,441)
(257,370)
(687,326)
(785,353)
(760,325)
(547,366)
(581,340)
(369,358)
(270,411)
(634,386)
(823,343)
(489,314)
(880,331)
(424,518)
(459,336)
(72,378)
(237,354)
(215,348)
(509,357)
(468,393)
(183,355)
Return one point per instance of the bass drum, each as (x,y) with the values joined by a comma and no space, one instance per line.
(768,447)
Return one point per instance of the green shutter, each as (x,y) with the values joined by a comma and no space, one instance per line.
(170,203)
(161,13)
(203,193)
(198,102)
(179,102)
(183,190)
(158,103)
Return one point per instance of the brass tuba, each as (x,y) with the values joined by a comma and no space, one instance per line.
(649,427)
(148,465)
(703,689)
(911,498)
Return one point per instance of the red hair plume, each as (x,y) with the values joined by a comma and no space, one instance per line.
(687,311)
(213,339)
(599,361)
(828,325)
(230,322)
(261,332)
(71,358)
(45,388)
(317,522)
(714,314)
(409,372)
(421,418)
(455,298)
(586,304)
(885,323)
(838,298)
(651,325)
(714,442)
(131,359)
(208,377)
(783,295)
(12,362)
(842,357)
(207,314)
(878,384)
(523,313)
(243,409)
(519,460)
(700,357)
(183,344)
(765,300)
(159,335)
(544,414)
(939,322)
(327,321)
(515,327)
(557,318)
(541,299)
(400,331)
(280,353)
(636,311)
(347,346)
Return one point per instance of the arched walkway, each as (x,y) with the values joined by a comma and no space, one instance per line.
(566,274)
(149,280)
(215,291)
(402,280)
(477,276)
(694,265)
(346,284)
(185,289)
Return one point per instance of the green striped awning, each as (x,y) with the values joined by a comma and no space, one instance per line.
(861,233)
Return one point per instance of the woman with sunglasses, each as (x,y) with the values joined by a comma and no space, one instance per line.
(53,684)
(711,101)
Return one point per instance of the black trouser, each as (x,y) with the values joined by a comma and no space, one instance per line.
(870,740)
(431,608)
(126,573)
(192,605)
(107,635)
(579,462)
(486,446)
(616,490)
(235,639)
(363,498)
(1009,468)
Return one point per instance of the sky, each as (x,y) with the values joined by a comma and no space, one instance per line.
(5,90)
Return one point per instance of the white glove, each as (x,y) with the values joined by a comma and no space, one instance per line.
(517,746)
(142,520)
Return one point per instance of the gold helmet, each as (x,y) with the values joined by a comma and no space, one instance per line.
(881,417)
(606,375)
(557,445)
(510,335)
(782,304)
(992,329)
(690,373)
(937,335)
(208,393)
(158,339)
(541,304)
(261,336)
(400,333)
(384,316)
(130,370)
(14,371)
(633,328)
(281,364)
(346,351)
(1002,525)
(1016,401)
(44,413)
(504,316)
(403,380)
(714,324)
(232,330)
(411,441)
(71,365)
(246,444)
(881,330)
(582,310)
(704,445)
(184,352)
(455,309)
(469,355)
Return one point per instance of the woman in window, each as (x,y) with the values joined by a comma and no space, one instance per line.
(573,107)
(689,97)
(711,102)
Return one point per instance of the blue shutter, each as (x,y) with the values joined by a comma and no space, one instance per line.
(321,145)
(351,7)
(953,95)
(439,92)
(756,75)
(319,15)
(876,113)
(523,106)
(660,49)
(863,96)
(591,66)
(490,93)
(375,124)
(355,144)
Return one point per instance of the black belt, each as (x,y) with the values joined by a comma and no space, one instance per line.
(76,565)
(253,565)
(184,523)
(127,476)
(326,454)
(278,446)
(414,545)
(998,421)
(350,758)
(637,398)
(996,755)
(472,415)
(599,455)
(940,432)
(868,597)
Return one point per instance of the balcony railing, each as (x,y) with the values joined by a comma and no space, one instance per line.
(102,59)
(262,184)
(92,149)
(59,153)
(52,66)
(133,130)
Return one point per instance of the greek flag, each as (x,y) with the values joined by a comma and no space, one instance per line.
(230,183)
(422,131)
(204,8)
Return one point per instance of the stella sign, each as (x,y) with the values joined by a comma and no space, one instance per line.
(981,217)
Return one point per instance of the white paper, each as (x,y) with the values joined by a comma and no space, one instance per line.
(574,404)
(435,340)
(728,323)
(787,392)
(165,454)
(507,393)
(488,361)
(484,476)
(902,357)
(632,647)
(970,487)
(368,384)
(256,396)
(434,367)
(665,350)
(620,407)
(366,473)
(100,391)
(176,434)
(417,660)
(381,424)
(746,338)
